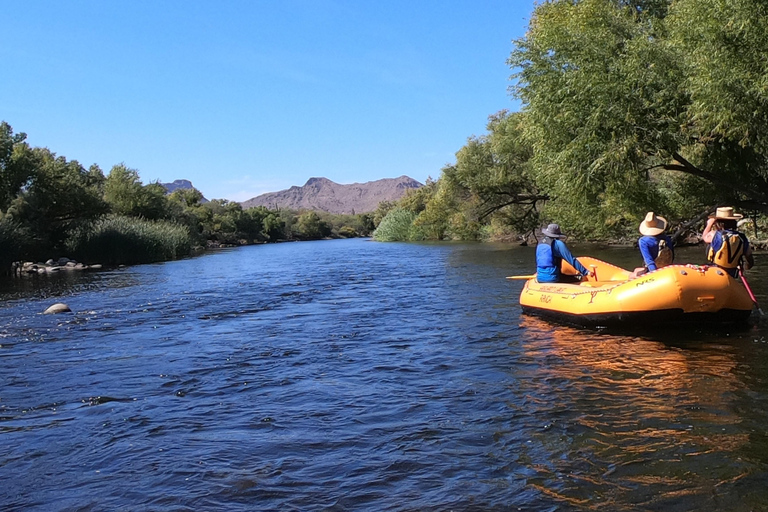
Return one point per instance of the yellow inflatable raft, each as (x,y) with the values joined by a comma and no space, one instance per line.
(671,294)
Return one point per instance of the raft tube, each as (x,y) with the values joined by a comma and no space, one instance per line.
(672,294)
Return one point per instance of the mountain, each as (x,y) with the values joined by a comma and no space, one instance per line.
(177,184)
(325,195)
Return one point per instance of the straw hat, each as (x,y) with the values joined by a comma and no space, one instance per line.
(553,231)
(726,213)
(653,225)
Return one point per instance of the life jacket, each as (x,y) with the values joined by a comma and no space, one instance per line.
(730,252)
(545,255)
(665,255)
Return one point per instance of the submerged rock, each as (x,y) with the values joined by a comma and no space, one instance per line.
(59,307)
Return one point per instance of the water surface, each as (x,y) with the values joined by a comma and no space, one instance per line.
(354,375)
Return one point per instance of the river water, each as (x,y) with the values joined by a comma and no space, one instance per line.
(355,375)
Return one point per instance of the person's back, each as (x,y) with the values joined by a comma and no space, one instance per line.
(728,248)
(549,254)
(656,248)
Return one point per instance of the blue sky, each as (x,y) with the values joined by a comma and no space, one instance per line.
(246,97)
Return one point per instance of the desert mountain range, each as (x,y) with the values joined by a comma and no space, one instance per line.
(326,195)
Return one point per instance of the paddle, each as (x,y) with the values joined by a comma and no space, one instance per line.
(521,277)
(749,290)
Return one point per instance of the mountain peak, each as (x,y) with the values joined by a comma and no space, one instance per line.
(322,194)
(319,181)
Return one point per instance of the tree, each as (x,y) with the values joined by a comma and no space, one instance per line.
(126,195)
(602,105)
(16,164)
(60,195)
(626,111)
(311,227)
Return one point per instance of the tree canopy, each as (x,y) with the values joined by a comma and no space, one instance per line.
(627,106)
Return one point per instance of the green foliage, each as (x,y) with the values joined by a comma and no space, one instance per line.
(59,195)
(16,241)
(126,195)
(397,226)
(309,226)
(16,165)
(381,211)
(128,240)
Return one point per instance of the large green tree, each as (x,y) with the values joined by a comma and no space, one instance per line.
(60,195)
(126,195)
(623,113)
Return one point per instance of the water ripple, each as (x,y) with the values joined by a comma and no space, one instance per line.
(351,375)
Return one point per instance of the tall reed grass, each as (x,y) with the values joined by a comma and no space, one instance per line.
(115,240)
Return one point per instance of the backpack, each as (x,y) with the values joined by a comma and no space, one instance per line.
(730,253)
(665,255)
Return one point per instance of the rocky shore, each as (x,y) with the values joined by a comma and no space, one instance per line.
(25,268)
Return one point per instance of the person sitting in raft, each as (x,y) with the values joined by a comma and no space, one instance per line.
(728,248)
(657,249)
(550,252)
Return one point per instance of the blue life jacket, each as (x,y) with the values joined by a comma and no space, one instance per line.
(547,262)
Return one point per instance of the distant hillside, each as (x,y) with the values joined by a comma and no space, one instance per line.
(177,184)
(325,195)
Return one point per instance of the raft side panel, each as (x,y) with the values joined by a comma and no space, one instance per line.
(641,318)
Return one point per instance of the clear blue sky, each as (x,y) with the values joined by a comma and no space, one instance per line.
(246,97)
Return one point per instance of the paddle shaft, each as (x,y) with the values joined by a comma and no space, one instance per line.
(749,290)
(522,277)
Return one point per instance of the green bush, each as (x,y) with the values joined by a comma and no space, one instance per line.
(114,240)
(397,226)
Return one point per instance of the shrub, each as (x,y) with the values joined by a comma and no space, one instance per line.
(396,226)
(116,240)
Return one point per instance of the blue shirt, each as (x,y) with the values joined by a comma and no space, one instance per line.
(549,254)
(649,248)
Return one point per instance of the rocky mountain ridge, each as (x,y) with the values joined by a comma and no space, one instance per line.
(325,195)
(177,184)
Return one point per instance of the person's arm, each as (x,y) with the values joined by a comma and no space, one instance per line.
(645,245)
(708,233)
(748,257)
(671,245)
(564,253)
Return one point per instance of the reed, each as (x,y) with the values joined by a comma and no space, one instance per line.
(116,240)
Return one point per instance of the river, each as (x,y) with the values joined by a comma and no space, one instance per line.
(355,375)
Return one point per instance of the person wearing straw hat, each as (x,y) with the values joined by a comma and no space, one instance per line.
(550,252)
(657,249)
(728,248)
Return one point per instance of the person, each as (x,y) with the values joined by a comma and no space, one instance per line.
(550,252)
(657,249)
(728,248)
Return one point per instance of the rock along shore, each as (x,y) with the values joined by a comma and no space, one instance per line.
(50,267)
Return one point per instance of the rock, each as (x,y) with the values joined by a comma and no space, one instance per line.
(50,262)
(59,307)
(63,261)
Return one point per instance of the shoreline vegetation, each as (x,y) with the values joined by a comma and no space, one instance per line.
(52,208)
(626,107)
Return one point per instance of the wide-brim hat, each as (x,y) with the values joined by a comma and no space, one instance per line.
(553,231)
(726,213)
(653,225)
